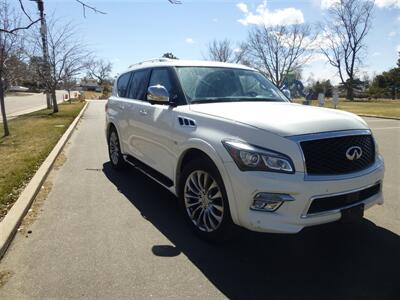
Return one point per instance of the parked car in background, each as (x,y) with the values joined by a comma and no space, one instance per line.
(236,151)
(18,89)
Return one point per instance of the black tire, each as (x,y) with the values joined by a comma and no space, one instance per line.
(226,228)
(114,150)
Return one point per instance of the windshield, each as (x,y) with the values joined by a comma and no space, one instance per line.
(213,84)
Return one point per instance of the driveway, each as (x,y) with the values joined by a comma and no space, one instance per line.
(102,234)
(19,105)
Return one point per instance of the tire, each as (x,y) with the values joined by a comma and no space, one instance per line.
(114,150)
(204,202)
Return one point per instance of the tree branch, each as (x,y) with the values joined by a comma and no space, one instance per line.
(24,11)
(84,6)
(12,31)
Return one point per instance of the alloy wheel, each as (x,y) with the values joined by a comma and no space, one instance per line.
(114,148)
(203,201)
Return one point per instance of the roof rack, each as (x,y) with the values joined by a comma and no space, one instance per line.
(161,59)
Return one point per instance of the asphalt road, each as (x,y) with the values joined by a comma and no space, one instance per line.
(19,105)
(107,235)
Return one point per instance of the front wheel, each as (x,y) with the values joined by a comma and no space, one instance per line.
(204,201)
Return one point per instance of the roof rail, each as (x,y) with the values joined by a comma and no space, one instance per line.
(161,59)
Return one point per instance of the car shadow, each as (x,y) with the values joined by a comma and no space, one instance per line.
(331,261)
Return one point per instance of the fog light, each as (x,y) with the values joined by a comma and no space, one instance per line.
(269,201)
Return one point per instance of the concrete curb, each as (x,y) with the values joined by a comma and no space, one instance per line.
(11,222)
(379,117)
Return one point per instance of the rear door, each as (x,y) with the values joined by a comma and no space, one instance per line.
(136,95)
(154,127)
(117,107)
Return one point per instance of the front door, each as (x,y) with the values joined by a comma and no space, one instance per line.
(154,128)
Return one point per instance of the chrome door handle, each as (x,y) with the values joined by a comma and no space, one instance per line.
(143,112)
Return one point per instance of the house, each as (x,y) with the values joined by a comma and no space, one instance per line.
(90,84)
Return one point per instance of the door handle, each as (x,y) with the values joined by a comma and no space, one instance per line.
(143,112)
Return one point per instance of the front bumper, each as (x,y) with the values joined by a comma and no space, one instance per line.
(292,216)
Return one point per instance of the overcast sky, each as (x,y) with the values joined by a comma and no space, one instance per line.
(132,31)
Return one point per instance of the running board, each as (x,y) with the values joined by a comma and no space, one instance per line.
(149,171)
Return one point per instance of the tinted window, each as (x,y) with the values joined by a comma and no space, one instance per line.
(122,85)
(161,76)
(138,85)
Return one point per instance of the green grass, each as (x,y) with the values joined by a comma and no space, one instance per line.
(383,108)
(32,138)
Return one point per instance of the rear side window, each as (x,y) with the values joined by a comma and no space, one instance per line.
(138,85)
(162,77)
(122,84)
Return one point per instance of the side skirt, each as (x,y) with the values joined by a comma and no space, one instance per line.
(149,171)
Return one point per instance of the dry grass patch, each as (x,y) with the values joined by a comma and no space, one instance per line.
(33,136)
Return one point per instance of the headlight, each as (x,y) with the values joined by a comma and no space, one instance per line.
(251,158)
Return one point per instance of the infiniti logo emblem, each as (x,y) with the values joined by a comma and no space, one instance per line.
(354,153)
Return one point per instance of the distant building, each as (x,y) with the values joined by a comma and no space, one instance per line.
(90,84)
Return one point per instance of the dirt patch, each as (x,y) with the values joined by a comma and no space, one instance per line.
(37,205)
(36,208)
(60,161)
(5,277)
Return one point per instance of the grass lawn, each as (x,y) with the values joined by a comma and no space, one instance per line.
(94,95)
(384,108)
(32,138)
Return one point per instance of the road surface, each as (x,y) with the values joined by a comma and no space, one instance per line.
(101,234)
(19,105)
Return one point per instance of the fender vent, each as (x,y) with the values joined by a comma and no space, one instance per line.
(186,122)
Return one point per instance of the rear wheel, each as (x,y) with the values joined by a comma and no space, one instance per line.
(204,201)
(114,150)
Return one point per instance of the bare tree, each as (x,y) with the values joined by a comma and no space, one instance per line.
(279,50)
(344,31)
(9,48)
(67,55)
(99,69)
(169,55)
(69,82)
(225,51)
(17,27)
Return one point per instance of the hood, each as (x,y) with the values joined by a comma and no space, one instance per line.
(283,118)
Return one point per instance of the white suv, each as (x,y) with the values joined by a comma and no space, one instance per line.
(234,149)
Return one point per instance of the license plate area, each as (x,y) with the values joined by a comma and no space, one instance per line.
(353,213)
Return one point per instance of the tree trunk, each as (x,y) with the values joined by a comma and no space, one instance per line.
(69,95)
(54,98)
(3,109)
(350,90)
(48,100)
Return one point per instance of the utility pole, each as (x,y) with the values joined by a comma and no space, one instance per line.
(45,47)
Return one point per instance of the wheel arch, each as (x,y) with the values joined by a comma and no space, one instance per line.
(205,150)
(110,125)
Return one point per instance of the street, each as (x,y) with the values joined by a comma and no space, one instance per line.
(101,234)
(19,105)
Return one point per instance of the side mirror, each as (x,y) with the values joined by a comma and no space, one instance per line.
(157,94)
(286,92)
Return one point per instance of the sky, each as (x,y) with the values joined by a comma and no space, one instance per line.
(132,31)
